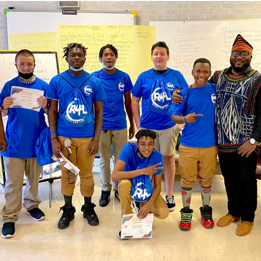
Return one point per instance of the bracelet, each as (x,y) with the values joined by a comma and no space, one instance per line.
(54,138)
(53,132)
(185,120)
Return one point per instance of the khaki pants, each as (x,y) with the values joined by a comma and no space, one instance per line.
(118,138)
(84,161)
(159,207)
(15,169)
(197,163)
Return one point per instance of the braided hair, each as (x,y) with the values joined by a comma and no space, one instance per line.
(72,45)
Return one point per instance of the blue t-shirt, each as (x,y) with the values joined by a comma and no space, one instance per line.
(23,125)
(128,157)
(142,88)
(115,85)
(200,134)
(61,90)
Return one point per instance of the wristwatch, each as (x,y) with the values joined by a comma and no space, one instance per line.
(253,141)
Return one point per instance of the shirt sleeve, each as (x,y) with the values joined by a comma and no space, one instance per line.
(124,155)
(257,123)
(159,160)
(99,94)
(4,93)
(183,83)
(137,88)
(128,83)
(178,109)
(51,92)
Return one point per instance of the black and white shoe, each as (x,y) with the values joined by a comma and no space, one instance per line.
(90,215)
(136,205)
(170,201)
(8,230)
(37,214)
(116,194)
(119,236)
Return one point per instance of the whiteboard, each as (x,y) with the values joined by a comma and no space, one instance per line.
(34,21)
(190,40)
(46,66)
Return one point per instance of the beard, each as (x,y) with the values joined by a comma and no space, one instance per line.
(239,69)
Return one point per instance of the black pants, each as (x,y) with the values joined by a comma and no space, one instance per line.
(240,182)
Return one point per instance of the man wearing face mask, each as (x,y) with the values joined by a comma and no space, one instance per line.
(117,85)
(76,132)
(23,129)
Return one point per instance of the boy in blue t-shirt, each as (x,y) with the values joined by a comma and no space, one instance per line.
(117,85)
(197,151)
(23,128)
(156,110)
(76,131)
(136,160)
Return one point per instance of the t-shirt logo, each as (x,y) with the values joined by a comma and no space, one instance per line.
(170,86)
(75,112)
(121,86)
(87,90)
(142,194)
(213,98)
(158,99)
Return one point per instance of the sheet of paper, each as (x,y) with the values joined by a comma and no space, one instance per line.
(67,164)
(133,227)
(25,98)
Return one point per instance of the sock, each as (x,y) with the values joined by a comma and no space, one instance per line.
(186,196)
(87,201)
(68,201)
(205,195)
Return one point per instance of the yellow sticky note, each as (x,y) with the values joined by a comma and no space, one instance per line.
(91,36)
(34,41)
(134,44)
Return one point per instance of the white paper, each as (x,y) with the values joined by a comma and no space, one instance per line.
(67,164)
(133,227)
(25,98)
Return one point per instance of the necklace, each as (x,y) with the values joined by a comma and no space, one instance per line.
(28,82)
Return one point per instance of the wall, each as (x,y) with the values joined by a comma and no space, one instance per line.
(149,10)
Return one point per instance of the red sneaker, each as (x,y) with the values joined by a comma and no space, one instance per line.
(186,216)
(206,216)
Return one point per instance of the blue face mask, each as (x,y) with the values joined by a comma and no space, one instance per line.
(76,70)
(107,68)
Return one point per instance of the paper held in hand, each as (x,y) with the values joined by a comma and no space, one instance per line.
(67,164)
(133,227)
(25,98)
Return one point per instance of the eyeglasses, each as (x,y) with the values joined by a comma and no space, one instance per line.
(237,53)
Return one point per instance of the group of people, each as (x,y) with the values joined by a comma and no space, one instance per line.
(86,114)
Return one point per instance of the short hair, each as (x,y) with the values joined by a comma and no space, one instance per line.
(110,46)
(146,133)
(202,60)
(72,45)
(160,44)
(24,52)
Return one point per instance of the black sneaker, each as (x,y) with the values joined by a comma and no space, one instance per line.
(116,194)
(90,215)
(170,201)
(37,214)
(206,216)
(67,216)
(125,238)
(136,205)
(8,230)
(105,198)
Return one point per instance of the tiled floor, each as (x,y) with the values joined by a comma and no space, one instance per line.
(44,241)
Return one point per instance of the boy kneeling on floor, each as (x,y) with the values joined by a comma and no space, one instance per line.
(141,160)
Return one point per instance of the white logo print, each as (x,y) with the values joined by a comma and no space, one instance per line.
(213,98)
(72,110)
(160,97)
(87,90)
(170,85)
(141,193)
(121,86)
